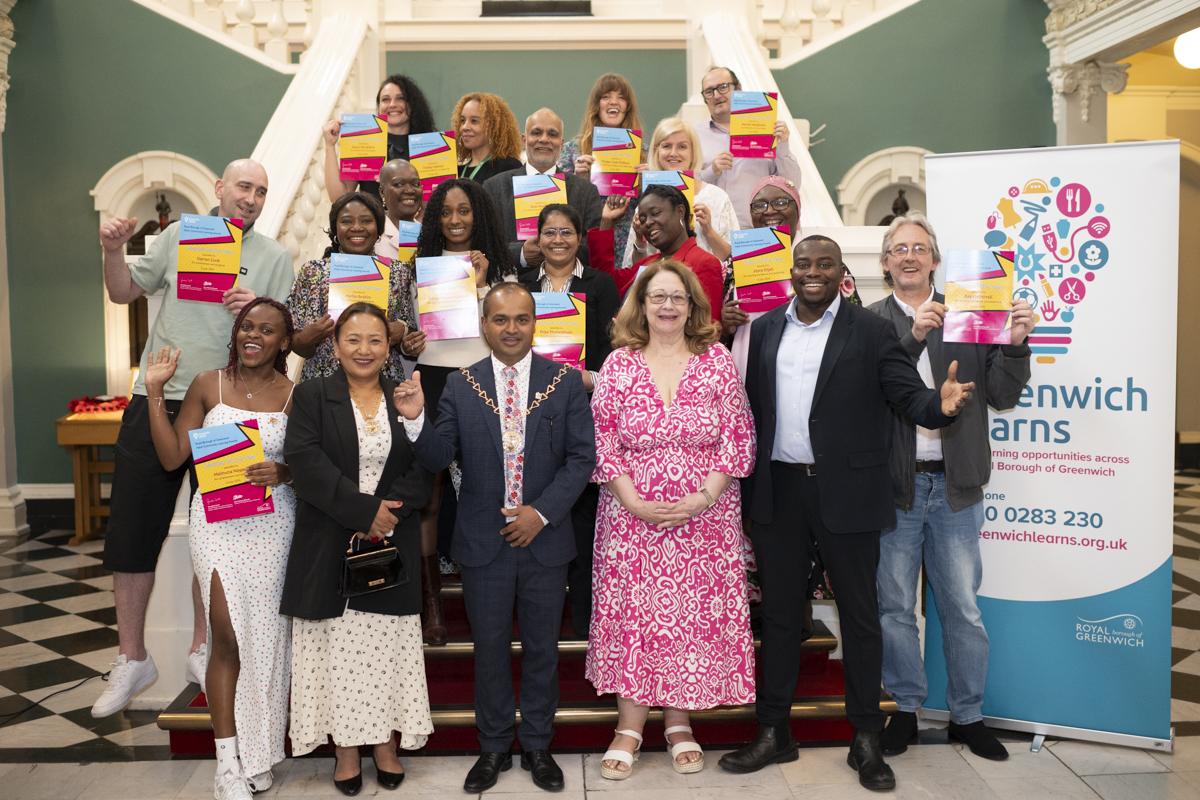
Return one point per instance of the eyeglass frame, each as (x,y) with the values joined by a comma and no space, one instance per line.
(677,299)
(902,250)
(774,202)
(723,88)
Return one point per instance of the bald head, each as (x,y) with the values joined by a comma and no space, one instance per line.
(242,189)
(543,139)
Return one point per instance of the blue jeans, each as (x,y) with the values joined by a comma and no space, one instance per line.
(949,543)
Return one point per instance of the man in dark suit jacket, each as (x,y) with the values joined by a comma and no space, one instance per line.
(543,146)
(822,377)
(521,427)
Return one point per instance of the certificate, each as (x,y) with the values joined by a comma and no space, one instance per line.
(979,289)
(435,158)
(358,279)
(447,299)
(210,257)
(532,193)
(561,327)
(407,233)
(222,453)
(762,267)
(362,147)
(616,153)
(682,179)
(752,117)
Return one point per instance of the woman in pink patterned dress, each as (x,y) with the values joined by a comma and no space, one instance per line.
(670,625)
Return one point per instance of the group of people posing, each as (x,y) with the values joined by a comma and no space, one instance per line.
(838,441)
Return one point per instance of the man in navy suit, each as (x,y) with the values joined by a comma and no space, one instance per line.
(521,427)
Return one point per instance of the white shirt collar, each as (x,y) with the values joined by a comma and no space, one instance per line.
(522,366)
(906,308)
(530,169)
(830,312)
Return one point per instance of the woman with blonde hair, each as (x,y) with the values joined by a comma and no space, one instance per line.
(611,103)
(670,621)
(489,141)
(675,146)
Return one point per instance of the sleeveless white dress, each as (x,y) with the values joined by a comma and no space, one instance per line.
(250,557)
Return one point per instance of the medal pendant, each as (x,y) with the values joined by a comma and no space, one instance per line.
(511,440)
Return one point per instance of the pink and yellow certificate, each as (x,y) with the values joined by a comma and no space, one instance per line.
(616,153)
(752,117)
(435,158)
(362,146)
(222,453)
(979,290)
(447,300)
(561,327)
(762,267)
(532,193)
(209,258)
(358,279)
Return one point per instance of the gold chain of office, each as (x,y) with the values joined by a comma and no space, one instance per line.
(537,398)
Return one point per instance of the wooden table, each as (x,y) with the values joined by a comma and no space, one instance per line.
(84,435)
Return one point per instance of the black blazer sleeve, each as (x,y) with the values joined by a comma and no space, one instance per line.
(906,393)
(316,478)
(605,306)
(579,459)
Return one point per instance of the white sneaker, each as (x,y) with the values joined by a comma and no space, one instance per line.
(197,666)
(125,679)
(261,782)
(231,786)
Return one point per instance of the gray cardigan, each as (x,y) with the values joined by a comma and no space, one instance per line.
(1000,372)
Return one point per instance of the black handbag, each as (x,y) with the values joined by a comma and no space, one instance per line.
(371,568)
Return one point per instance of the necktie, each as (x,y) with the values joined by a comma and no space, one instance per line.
(512,424)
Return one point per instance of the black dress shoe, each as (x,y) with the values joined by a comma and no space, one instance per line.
(773,745)
(866,758)
(486,771)
(349,786)
(901,731)
(979,739)
(388,780)
(545,773)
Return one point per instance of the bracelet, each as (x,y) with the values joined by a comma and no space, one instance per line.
(712,501)
(158,402)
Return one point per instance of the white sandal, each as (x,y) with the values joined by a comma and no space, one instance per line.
(623,756)
(678,749)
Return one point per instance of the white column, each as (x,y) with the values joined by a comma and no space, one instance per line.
(12,505)
(1081,99)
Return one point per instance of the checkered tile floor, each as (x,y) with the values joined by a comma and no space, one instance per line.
(58,627)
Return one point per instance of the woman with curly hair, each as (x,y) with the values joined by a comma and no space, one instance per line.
(611,104)
(489,141)
(459,220)
(407,111)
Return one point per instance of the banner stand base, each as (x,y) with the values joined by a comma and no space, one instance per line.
(1035,746)
(1041,730)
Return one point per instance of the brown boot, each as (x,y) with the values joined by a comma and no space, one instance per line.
(433,627)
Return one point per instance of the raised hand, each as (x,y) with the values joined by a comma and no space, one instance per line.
(732,315)
(722,163)
(614,209)
(330,132)
(160,367)
(116,232)
(954,394)
(409,398)
(781,131)
(235,299)
(583,165)
(703,217)
(480,262)
(929,316)
(413,343)
(1022,321)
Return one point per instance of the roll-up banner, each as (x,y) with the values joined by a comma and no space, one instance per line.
(1077,537)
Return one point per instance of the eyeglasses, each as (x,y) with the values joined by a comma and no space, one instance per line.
(674,298)
(777,203)
(902,250)
(557,233)
(719,89)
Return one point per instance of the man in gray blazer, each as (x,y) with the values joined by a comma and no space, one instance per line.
(543,147)
(521,427)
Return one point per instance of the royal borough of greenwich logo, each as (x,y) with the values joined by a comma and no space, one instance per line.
(1056,231)
(1118,630)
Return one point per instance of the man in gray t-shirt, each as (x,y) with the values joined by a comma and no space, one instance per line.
(143,493)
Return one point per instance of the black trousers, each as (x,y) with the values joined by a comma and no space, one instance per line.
(783,549)
(489,592)
(579,571)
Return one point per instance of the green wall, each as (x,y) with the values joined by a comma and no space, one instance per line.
(559,79)
(946,75)
(92,83)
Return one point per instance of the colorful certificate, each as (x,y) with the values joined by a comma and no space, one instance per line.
(435,157)
(752,117)
(762,267)
(362,147)
(210,257)
(222,453)
(532,193)
(560,331)
(682,179)
(447,300)
(406,240)
(979,290)
(358,279)
(617,153)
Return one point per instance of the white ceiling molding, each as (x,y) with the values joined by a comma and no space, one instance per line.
(893,166)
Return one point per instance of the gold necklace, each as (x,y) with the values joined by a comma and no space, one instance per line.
(370,424)
(250,394)
(509,437)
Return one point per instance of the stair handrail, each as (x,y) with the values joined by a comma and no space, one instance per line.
(731,43)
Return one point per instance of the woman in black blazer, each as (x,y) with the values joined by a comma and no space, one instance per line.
(560,234)
(358,666)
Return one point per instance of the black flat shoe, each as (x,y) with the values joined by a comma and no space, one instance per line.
(545,773)
(866,758)
(901,731)
(981,741)
(388,780)
(486,772)
(773,745)
(349,786)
